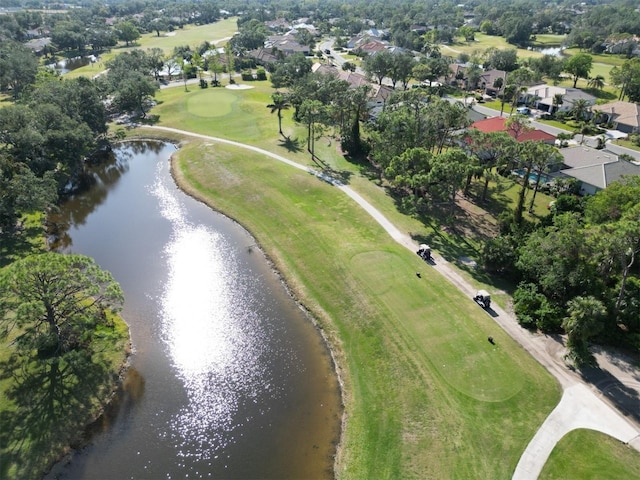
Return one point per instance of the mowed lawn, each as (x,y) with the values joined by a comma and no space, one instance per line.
(425,391)
(426,395)
(191,35)
(588,455)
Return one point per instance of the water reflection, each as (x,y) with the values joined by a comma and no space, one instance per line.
(214,339)
(229,379)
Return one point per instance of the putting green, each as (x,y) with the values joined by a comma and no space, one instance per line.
(221,105)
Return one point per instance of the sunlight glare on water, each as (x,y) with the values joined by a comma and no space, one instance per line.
(214,339)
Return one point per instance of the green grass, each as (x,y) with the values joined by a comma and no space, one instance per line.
(547,40)
(483,42)
(29,239)
(54,407)
(589,455)
(191,35)
(408,356)
(422,382)
(627,144)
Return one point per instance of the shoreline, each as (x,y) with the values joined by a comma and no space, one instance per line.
(330,344)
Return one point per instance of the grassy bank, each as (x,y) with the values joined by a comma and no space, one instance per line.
(45,405)
(427,396)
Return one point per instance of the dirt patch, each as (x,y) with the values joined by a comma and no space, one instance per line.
(474,221)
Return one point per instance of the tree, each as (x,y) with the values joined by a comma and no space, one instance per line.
(627,78)
(127,32)
(278,103)
(156,61)
(132,92)
(579,66)
(289,70)
(410,170)
(378,65)
(401,68)
(516,83)
(18,67)
(467,32)
(584,320)
(78,98)
(558,100)
(311,113)
(349,66)
(505,59)
(492,150)
(430,69)
(54,302)
(158,25)
(448,173)
(580,109)
(197,62)
(596,82)
(23,192)
(532,154)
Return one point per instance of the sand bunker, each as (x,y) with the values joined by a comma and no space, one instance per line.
(239,86)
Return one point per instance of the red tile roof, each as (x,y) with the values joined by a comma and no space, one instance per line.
(497,124)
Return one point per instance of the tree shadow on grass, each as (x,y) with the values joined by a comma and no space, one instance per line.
(293,145)
(51,399)
(20,243)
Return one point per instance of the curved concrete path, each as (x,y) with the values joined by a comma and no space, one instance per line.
(579,407)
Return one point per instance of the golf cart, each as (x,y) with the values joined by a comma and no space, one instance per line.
(483,298)
(424,252)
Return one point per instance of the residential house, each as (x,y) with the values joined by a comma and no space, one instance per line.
(542,97)
(595,169)
(38,45)
(458,74)
(304,26)
(498,124)
(624,115)
(287,44)
(378,94)
(371,48)
(488,79)
(278,25)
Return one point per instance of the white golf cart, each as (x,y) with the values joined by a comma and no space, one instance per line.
(483,298)
(424,252)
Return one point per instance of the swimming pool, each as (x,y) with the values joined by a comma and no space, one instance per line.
(533,176)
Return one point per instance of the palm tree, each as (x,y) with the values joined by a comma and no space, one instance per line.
(580,109)
(280,102)
(596,82)
(585,320)
(558,100)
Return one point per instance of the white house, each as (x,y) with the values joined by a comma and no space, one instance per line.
(542,97)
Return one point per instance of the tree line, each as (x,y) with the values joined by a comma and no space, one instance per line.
(576,270)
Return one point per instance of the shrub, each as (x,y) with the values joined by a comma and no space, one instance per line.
(203,83)
(261,73)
